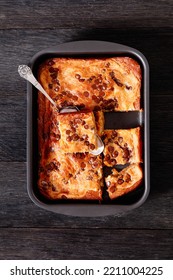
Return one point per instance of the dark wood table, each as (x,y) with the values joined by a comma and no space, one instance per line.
(28,232)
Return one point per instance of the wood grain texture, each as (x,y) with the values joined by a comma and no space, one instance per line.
(103,14)
(18,46)
(17,210)
(98,244)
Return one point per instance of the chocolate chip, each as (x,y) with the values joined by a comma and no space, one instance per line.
(128,87)
(77,155)
(107,64)
(114,154)
(73,129)
(81,80)
(53,75)
(86,126)
(68,132)
(128,178)
(127,154)
(91,78)
(52,166)
(86,93)
(75,137)
(87,143)
(94,97)
(81,106)
(110,149)
(97,81)
(83,165)
(104,136)
(69,94)
(101,93)
(74,97)
(120,181)
(64,196)
(100,87)
(104,86)
(53,188)
(77,76)
(82,155)
(51,70)
(107,157)
(68,138)
(56,69)
(112,161)
(50,86)
(56,89)
(116,80)
(112,189)
(50,62)
(92,146)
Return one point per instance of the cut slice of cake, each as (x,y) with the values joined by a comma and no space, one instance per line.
(120,183)
(78,132)
(122,146)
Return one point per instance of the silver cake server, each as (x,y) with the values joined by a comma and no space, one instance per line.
(26,73)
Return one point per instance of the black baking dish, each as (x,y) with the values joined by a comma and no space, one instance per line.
(112,120)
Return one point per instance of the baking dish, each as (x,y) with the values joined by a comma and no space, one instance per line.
(113,120)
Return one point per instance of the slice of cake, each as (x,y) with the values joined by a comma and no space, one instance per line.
(120,183)
(78,132)
(71,176)
(122,146)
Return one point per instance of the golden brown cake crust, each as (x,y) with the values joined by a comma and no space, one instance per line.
(120,183)
(96,84)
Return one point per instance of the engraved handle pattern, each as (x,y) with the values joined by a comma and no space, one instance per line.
(26,73)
